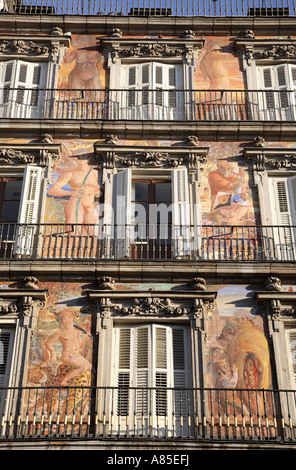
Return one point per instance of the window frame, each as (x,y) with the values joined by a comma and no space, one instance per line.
(160,405)
(32,163)
(47,51)
(155,161)
(260,53)
(168,51)
(185,308)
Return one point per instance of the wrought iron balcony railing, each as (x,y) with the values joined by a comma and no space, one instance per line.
(148,242)
(152,7)
(146,412)
(148,105)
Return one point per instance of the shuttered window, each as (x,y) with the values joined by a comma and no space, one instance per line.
(283,192)
(21,84)
(150,89)
(6,345)
(150,356)
(283,207)
(291,338)
(122,203)
(279,85)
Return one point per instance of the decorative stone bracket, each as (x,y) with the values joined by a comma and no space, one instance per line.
(152,306)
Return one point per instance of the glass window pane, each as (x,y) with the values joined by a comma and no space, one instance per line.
(10,211)
(139,191)
(163,192)
(13,190)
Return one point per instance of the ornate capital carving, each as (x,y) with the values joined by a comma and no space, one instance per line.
(279,305)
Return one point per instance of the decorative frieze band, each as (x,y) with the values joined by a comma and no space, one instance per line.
(34,46)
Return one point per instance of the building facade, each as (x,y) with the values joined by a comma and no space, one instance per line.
(148,224)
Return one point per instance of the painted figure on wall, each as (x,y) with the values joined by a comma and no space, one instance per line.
(228,193)
(84,54)
(70,336)
(238,360)
(80,186)
(61,356)
(218,67)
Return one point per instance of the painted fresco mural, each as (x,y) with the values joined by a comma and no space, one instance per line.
(63,352)
(83,65)
(237,358)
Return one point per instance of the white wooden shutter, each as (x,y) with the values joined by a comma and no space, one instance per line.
(6,81)
(123,379)
(30,77)
(276,103)
(153,359)
(28,211)
(180,213)
(291,337)
(123,235)
(291,182)
(283,193)
(6,346)
(142,370)
(139,80)
(20,83)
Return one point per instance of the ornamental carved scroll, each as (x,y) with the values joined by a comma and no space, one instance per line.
(17,156)
(24,47)
(152,306)
(278,52)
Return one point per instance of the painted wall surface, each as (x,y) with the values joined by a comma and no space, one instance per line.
(237,354)
(84,66)
(223,175)
(235,335)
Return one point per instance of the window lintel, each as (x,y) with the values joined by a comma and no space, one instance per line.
(150,305)
(32,46)
(135,49)
(149,157)
(266,50)
(42,154)
(281,160)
